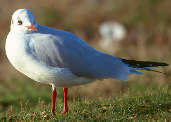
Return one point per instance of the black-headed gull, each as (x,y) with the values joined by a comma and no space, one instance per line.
(60,58)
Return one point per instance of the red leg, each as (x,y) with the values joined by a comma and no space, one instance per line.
(65,110)
(53,100)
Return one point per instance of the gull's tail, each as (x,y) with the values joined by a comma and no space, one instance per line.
(143,65)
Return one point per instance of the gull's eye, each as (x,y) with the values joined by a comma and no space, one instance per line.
(20,22)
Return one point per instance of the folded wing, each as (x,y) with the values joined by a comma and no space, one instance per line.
(63,49)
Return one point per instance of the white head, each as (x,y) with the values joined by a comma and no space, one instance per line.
(23,20)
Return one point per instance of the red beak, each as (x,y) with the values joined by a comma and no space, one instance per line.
(32,27)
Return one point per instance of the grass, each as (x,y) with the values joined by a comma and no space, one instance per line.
(27,101)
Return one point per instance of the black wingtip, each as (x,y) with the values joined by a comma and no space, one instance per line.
(165,64)
(161,64)
(143,64)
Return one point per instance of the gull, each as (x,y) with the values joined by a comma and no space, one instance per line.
(60,58)
(112,33)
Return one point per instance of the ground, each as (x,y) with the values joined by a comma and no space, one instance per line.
(130,100)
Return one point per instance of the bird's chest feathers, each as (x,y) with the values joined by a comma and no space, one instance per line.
(16,50)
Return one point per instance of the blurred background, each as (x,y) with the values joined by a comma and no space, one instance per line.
(134,29)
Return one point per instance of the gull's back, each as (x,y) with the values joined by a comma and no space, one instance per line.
(62,49)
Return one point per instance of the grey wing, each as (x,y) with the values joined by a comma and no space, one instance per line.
(65,50)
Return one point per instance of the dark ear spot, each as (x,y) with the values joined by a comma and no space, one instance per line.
(20,22)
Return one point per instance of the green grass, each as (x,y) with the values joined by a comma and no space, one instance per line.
(25,100)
